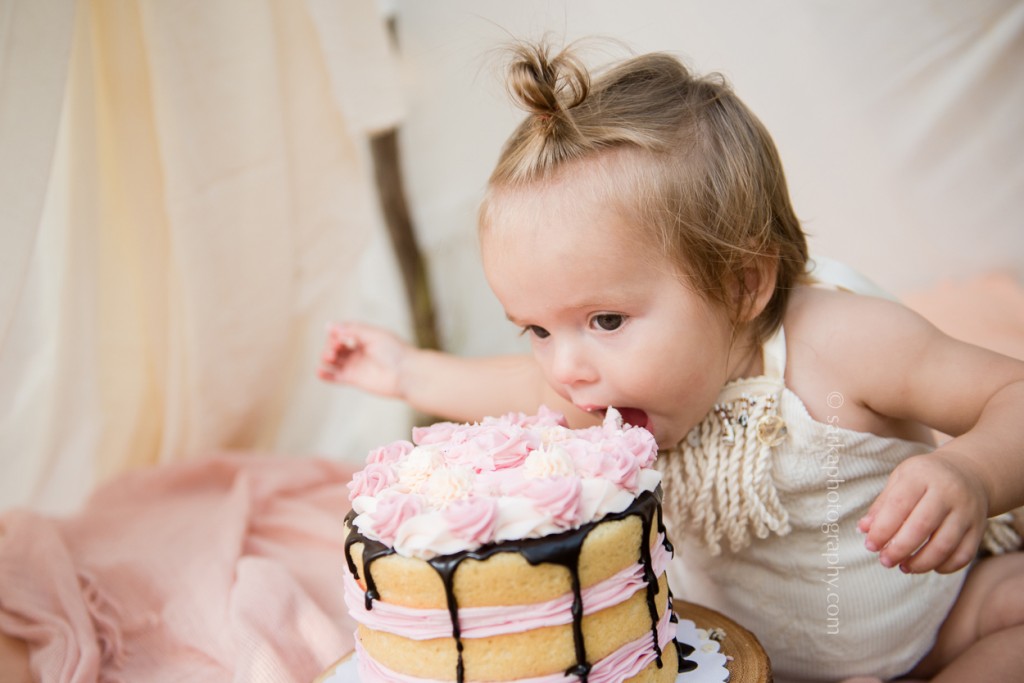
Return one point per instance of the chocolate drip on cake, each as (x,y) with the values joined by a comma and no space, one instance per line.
(661,525)
(652,581)
(684,650)
(562,549)
(372,550)
(445,566)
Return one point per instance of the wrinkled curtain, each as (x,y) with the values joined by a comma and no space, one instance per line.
(185,204)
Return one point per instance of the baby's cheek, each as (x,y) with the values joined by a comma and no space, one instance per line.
(559,389)
(544,356)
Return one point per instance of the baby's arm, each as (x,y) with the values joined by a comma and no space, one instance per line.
(932,512)
(437,383)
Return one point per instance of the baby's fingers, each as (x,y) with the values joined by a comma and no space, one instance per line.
(330,372)
(935,550)
(913,532)
(339,344)
(887,515)
(963,555)
(944,547)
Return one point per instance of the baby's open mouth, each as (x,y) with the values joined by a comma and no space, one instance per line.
(632,416)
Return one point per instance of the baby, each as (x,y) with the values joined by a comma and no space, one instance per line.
(638,229)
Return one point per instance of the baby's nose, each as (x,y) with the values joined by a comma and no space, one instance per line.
(571,366)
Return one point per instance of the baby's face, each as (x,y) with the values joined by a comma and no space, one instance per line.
(610,321)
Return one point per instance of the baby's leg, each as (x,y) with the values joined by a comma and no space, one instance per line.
(982,639)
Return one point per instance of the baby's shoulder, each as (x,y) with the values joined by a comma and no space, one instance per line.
(838,341)
(838,320)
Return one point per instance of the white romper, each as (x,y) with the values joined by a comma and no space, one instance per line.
(762,502)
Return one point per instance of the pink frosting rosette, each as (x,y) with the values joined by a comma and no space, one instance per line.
(614,436)
(556,497)
(495,447)
(391,512)
(473,519)
(371,480)
(545,417)
(584,455)
(641,444)
(437,433)
(497,483)
(391,453)
(620,468)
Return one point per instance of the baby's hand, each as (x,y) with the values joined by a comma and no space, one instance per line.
(365,357)
(930,515)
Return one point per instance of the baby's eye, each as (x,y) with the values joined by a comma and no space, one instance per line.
(537,331)
(608,321)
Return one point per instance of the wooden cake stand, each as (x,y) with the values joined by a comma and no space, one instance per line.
(748,662)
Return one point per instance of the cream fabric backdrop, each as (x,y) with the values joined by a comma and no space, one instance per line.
(900,124)
(186,205)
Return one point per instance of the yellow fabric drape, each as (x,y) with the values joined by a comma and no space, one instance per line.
(194,203)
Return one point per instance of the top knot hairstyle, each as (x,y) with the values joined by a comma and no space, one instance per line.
(683,158)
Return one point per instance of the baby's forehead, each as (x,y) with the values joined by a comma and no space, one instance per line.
(595,175)
(570,243)
(575,195)
(612,195)
(547,218)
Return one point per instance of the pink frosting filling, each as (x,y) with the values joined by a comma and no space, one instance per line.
(627,661)
(482,622)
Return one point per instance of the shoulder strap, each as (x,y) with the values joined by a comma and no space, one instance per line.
(774,355)
(832,274)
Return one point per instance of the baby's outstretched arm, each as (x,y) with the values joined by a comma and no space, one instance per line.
(436,383)
(932,512)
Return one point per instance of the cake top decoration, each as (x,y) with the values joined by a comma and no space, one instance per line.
(457,487)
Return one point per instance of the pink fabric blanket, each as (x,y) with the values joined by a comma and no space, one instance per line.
(223,569)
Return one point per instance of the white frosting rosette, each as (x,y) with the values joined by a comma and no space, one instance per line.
(458,487)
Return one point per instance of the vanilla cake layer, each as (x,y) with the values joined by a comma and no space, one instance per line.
(528,654)
(505,578)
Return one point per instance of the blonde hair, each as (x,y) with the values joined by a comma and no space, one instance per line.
(689,163)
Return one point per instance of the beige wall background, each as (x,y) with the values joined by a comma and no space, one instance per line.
(901,125)
(186,198)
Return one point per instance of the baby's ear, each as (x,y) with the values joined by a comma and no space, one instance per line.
(757,287)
